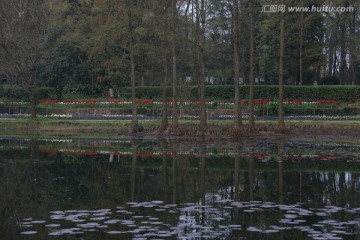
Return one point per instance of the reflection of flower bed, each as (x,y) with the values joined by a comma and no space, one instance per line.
(296,155)
(296,152)
(143,153)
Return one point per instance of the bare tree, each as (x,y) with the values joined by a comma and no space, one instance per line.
(168,13)
(202,14)
(23,34)
(251,74)
(235,29)
(281,122)
(174,72)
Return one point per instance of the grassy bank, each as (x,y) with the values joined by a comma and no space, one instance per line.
(217,128)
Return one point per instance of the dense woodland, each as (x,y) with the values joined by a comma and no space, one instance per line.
(117,43)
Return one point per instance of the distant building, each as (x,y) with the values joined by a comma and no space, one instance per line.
(259,80)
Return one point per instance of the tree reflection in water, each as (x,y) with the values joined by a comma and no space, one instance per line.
(233,195)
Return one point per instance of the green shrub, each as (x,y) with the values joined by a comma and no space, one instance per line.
(226,92)
(44,92)
(17,93)
(13,92)
(85,89)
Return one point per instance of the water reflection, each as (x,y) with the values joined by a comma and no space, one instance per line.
(154,189)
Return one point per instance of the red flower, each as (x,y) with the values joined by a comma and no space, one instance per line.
(326,102)
(261,102)
(144,101)
(167,101)
(297,101)
(90,153)
(260,155)
(49,101)
(80,101)
(144,154)
(198,102)
(88,101)
(225,103)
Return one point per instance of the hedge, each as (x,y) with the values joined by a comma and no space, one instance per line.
(18,93)
(226,92)
(212,92)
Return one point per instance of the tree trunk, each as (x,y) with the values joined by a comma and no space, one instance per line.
(251,74)
(132,75)
(342,54)
(164,122)
(343,63)
(174,80)
(281,123)
(32,98)
(301,49)
(335,62)
(331,57)
(237,107)
(352,51)
(202,66)
(281,171)
(133,168)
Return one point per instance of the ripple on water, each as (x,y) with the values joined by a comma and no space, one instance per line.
(28,232)
(53,225)
(115,232)
(218,219)
(151,226)
(290,216)
(253,229)
(88,225)
(269,231)
(37,222)
(57,217)
(249,211)
(26,225)
(98,218)
(112,221)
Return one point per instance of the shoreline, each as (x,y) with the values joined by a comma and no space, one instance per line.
(188,129)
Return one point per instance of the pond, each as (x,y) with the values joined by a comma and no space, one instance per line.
(60,188)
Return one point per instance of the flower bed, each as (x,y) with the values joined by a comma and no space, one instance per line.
(148,103)
(269,107)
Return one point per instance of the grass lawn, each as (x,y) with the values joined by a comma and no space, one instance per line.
(115,127)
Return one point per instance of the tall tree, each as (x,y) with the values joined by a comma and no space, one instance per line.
(23,33)
(281,122)
(202,64)
(236,59)
(219,40)
(165,40)
(304,43)
(301,43)
(134,119)
(353,42)
(174,73)
(251,69)
(343,53)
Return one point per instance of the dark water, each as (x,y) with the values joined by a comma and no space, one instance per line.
(158,189)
